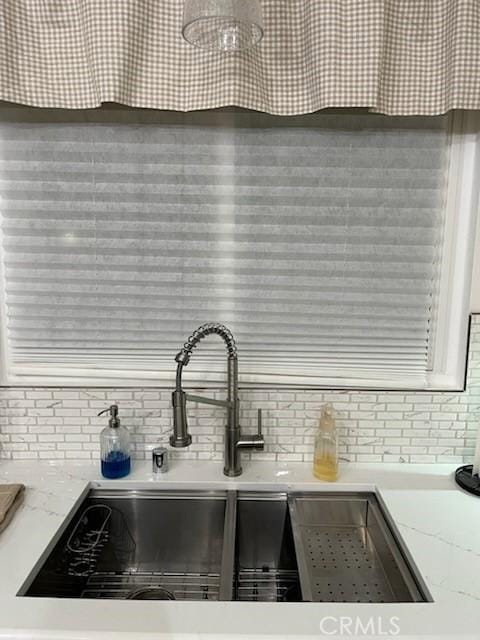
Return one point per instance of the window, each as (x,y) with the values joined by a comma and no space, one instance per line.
(333,245)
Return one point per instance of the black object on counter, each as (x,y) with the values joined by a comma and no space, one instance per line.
(465,479)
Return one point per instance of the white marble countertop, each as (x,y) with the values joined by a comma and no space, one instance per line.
(439,523)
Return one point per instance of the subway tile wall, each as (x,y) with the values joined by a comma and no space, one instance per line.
(374,426)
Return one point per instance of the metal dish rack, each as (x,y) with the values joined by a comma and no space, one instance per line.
(257,585)
(183,586)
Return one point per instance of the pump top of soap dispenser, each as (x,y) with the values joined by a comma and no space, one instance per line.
(327,418)
(114,421)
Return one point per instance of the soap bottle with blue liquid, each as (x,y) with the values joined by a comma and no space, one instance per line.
(114,446)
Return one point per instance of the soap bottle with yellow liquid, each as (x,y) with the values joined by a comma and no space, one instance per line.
(325,460)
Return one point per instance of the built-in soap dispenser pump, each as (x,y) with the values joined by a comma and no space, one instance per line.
(114,446)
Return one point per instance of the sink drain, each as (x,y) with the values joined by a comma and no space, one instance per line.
(150,593)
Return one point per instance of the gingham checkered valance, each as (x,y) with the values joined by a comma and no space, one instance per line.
(392,56)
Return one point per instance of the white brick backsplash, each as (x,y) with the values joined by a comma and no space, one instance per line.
(396,426)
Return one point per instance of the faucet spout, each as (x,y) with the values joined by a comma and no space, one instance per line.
(234,442)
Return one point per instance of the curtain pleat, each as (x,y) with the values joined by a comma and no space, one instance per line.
(394,57)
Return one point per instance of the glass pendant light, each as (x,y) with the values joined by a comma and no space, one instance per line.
(223,25)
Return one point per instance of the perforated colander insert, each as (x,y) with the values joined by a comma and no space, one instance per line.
(345,566)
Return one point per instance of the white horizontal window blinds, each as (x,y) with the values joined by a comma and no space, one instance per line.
(317,240)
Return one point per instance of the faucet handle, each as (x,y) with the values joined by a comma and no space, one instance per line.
(257,441)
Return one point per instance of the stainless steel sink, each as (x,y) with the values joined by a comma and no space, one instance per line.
(224,545)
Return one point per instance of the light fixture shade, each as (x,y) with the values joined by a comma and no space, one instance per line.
(223,25)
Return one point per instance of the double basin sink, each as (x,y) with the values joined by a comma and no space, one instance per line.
(227,545)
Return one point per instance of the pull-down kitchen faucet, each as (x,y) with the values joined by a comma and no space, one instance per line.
(234,442)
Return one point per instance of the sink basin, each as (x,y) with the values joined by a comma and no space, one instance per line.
(122,543)
(227,545)
(265,560)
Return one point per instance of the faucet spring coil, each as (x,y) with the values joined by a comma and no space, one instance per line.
(202,332)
